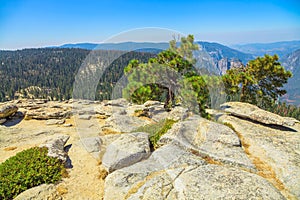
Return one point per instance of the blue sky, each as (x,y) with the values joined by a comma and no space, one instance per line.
(37,23)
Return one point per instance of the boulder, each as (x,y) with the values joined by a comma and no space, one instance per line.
(92,144)
(41,192)
(123,123)
(209,139)
(56,146)
(178,113)
(7,110)
(45,114)
(126,150)
(252,112)
(157,112)
(172,173)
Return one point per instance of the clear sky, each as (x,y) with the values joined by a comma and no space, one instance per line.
(37,23)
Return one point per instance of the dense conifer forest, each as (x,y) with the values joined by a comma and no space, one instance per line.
(49,73)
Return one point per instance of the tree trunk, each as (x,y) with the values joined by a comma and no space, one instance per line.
(169,100)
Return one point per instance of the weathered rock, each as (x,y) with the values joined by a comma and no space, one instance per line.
(136,109)
(7,110)
(198,159)
(289,121)
(208,139)
(252,112)
(118,103)
(92,144)
(55,121)
(2,121)
(108,139)
(178,113)
(172,173)
(68,125)
(85,117)
(157,113)
(56,146)
(124,123)
(274,150)
(44,114)
(41,192)
(126,150)
(122,181)
(152,103)
(43,110)
(103,110)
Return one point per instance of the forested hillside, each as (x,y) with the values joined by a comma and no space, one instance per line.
(50,72)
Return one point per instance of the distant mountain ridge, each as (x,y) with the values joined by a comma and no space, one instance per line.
(123,46)
(223,57)
(216,50)
(259,49)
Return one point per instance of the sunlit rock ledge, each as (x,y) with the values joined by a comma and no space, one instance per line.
(243,152)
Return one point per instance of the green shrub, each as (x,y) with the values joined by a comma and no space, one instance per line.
(156,130)
(28,169)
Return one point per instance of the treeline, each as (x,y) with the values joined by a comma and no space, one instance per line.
(50,73)
(283,109)
(39,73)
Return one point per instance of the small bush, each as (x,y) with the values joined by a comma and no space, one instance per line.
(157,130)
(28,169)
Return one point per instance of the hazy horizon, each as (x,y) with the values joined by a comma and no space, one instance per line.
(32,23)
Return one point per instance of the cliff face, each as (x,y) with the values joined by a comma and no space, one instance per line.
(225,64)
(243,153)
(292,62)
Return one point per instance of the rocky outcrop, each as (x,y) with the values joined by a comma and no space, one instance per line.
(244,152)
(7,110)
(56,146)
(252,112)
(225,64)
(208,139)
(173,173)
(128,149)
(273,150)
(123,123)
(44,114)
(41,192)
(43,109)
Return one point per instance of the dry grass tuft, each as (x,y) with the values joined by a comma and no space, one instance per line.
(61,189)
(65,173)
(10,148)
(102,173)
(108,131)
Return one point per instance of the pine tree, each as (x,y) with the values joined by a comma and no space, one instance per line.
(168,76)
(259,82)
